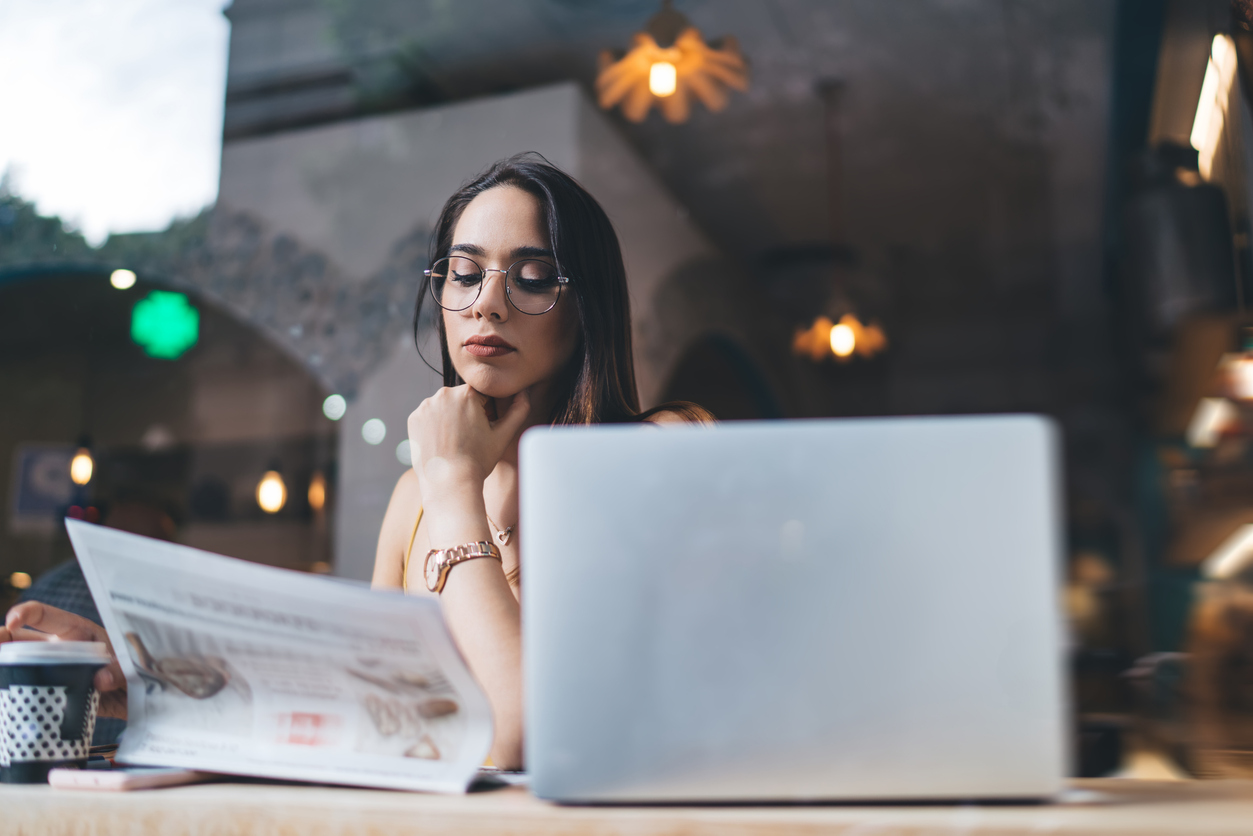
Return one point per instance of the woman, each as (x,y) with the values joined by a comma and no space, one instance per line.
(534,328)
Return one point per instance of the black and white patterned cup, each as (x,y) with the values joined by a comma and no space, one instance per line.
(47,706)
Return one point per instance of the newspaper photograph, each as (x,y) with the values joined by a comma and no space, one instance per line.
(247,669)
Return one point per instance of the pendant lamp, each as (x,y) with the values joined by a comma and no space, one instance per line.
(669,63)
(849,336)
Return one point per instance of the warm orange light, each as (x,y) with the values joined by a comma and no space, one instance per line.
(1240,376)
(842,340)
(20,580)
(81,467)
(271,492)
(1211,108)
(317,491)
(662,79)
(670,51)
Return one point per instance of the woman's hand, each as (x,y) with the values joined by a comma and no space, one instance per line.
(33,621)
(456,439)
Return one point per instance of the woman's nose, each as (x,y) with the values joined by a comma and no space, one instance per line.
(492,302)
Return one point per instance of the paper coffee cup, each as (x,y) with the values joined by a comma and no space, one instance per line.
(47,706)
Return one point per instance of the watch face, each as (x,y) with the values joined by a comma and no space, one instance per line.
(431,571)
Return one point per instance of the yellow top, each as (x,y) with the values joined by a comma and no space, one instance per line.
(404,566)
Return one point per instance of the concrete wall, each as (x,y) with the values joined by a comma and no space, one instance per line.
(352,191)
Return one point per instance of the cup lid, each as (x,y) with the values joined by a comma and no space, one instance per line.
(53,652)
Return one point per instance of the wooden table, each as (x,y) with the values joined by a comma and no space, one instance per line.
(1105,807)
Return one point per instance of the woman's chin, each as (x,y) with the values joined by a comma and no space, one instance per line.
(491,383)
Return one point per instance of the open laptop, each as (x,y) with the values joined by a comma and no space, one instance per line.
(794,610)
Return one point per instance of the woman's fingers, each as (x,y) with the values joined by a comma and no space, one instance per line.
(110,677)
(35,621)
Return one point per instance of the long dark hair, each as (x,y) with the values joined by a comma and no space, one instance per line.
(598,385)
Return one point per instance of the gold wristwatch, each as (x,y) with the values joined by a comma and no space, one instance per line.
(439,561)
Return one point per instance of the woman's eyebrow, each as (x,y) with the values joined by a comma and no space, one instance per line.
(518,252)
(532,252)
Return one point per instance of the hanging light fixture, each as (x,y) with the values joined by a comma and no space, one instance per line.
(667,64)
(841,340)
(848,337)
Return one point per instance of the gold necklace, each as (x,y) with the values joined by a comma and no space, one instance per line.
(505,535)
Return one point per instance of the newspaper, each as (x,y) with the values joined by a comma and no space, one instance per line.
(247,669)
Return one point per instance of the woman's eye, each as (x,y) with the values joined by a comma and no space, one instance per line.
(537,285)
(466,278)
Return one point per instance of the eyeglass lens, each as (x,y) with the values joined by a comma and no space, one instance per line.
(532,286)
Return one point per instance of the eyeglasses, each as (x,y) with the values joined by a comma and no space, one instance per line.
(532,286)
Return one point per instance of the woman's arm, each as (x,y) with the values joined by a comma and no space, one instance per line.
(454,447)
(481,611)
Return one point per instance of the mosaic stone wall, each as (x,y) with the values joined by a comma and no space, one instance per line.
(338,326)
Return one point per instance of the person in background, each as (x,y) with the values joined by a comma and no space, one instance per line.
(59,604)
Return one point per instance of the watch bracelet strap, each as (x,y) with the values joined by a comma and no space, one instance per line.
(468,551)
(460,554)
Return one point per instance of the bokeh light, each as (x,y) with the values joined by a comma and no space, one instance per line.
(334,407)
(374,431)
(81,467)
(20,580)
(271,492)
(404,454)
(317,491)
(165,324)
(122,279)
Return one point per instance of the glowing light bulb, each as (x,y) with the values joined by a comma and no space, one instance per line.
(317,491)
(19,580)
(81,467)
(843,340)
(271,492)
(122,279)
(663,79)
(334,407)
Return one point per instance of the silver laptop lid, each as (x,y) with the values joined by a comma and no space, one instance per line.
(834,609)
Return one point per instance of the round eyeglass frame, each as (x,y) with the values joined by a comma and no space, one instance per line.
(562,281)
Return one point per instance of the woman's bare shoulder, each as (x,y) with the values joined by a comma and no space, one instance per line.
(396,530)
(407,488)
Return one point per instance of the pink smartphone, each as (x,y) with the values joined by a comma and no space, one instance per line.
(120,780)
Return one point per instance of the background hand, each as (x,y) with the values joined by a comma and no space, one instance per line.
(33,621)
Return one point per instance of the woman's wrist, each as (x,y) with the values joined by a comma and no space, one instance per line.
(455,516)
(452,475)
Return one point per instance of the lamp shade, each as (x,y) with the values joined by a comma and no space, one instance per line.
(667,65)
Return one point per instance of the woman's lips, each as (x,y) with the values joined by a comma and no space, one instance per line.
(487,346)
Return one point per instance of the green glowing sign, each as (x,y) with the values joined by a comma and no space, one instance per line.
(165,324)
